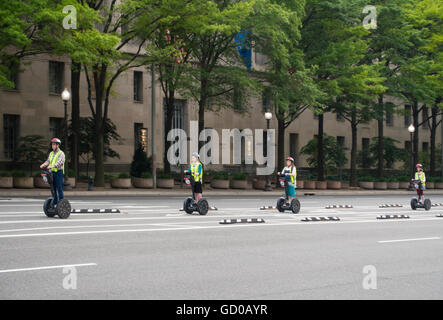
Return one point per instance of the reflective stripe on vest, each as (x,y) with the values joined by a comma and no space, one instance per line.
(53,160)
(293,173)
(194,170)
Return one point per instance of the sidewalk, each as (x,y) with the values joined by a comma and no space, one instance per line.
(100,192)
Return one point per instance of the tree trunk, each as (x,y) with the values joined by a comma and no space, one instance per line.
(415,138)
(380,142)
(75,116)
(433,139)
(281,144)
(168,126)
(201,109)
(353,178)
(99,180)
(320,155)
(99,79)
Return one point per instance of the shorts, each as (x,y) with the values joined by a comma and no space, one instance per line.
(197,187)
(290,190)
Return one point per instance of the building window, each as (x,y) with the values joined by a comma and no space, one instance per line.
(389,119)
(138,86)
(424,117)
(56,76)
(339,116)
(407,115)
(140,137)
(237,99)
(56,127)
(11,131)
(266,100)
(293,146)
(341,142)
(365,152)
(408,146)
(425,147)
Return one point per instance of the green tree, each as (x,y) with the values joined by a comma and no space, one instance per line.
(216,66)
(286,81)
(334,157)
(32,149)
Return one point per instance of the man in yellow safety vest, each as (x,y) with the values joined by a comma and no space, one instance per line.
(56,163)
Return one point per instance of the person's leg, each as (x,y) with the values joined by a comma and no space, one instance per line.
(59,184)
(54,190)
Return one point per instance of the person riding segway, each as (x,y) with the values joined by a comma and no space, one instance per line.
(419,183)
(53,170)
(287,179)
(194,177)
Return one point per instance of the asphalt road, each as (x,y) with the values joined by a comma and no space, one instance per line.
(151,250)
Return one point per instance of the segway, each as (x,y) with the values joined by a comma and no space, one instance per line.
(294,206)
(189,205)
(63,208)
(415,202)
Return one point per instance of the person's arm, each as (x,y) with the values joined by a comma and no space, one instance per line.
(46,163)
(60,161)
(424,178)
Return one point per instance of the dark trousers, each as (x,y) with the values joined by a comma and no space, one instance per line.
(57,186)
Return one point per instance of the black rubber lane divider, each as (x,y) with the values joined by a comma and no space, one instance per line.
(233,221)
(267,208)
(339,206)
(307,219)
(95,211)
(397,205)
(309,194)
(437,204)
(439,215)
(393,216)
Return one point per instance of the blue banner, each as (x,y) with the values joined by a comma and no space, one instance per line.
(243,43)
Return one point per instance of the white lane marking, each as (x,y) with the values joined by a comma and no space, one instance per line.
(49,267)
(96,226)
(149,207)
(406,240)
(201,227)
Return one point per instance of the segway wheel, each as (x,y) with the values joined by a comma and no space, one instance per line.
(187,206)
(64,209)
(414,203)
(428,204)
(295,206)
(281,204)
(46,208)
(202,207)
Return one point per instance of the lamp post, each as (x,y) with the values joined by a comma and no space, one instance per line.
(268,117)
(411,130)
(66,96)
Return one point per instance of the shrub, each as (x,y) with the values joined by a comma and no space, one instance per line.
(403,178)
(381,179)
(333,178)
(123,175)
(71,173)
(220,175)
(140,163)
(164,175)
(5,174)
(438,179)
(240,177)
(19,174)
(146,175)
(366,179)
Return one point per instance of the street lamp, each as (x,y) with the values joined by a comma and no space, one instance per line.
(268,117)
(66,96)
(411,130)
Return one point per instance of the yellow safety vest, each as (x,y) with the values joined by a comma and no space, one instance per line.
(53,160)
(421,176)
(194,171)
(293,173)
